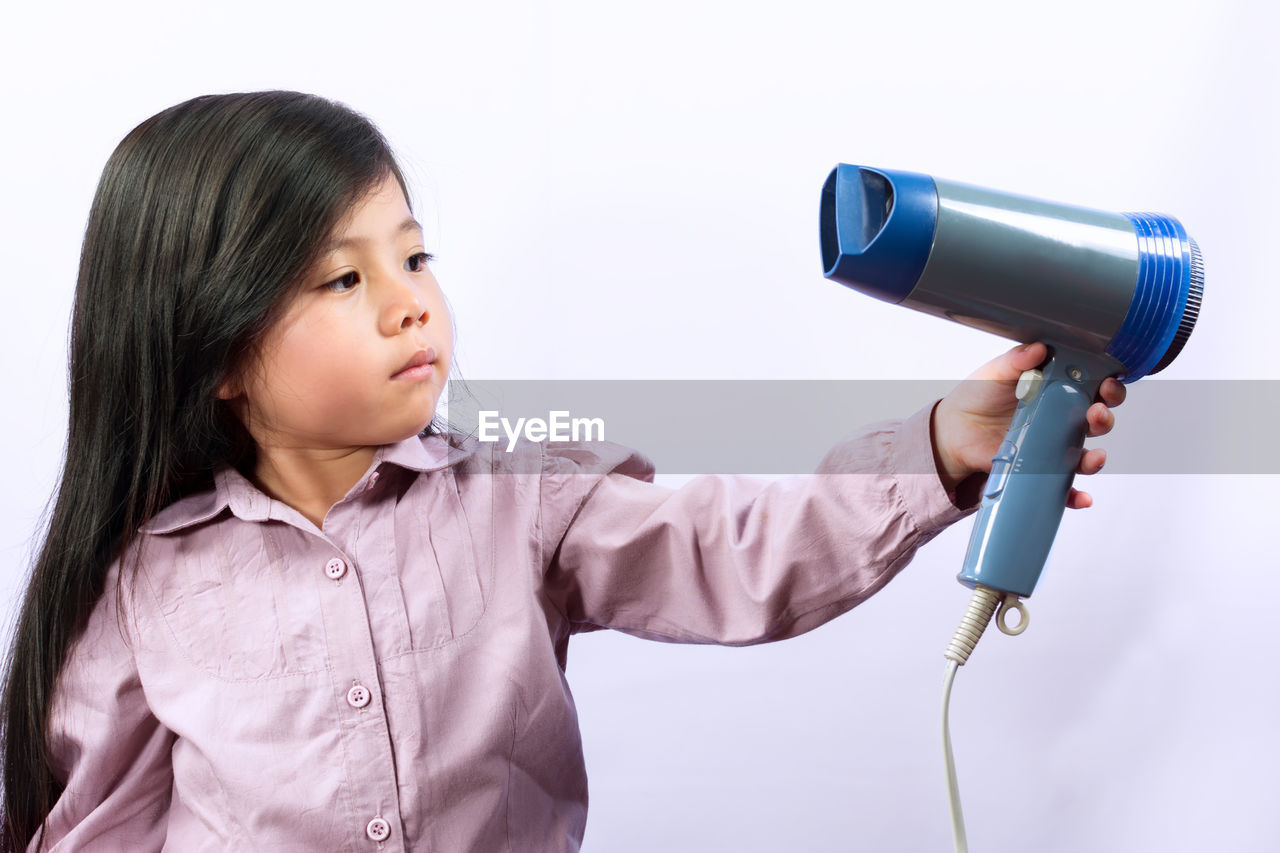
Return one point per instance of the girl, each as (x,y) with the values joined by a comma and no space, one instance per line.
(278,608)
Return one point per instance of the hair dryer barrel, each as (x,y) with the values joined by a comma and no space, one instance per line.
(1124,285)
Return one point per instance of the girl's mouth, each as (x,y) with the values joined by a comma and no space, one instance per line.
(419,367)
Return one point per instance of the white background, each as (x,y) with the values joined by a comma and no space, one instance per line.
(629,190)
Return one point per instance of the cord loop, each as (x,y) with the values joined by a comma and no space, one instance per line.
(1012,602)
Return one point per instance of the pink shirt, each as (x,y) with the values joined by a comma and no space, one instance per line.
(395,680)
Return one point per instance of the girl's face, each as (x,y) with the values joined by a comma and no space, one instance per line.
(331,373)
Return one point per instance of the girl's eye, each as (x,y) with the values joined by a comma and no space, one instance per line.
(418,262)
(345,283)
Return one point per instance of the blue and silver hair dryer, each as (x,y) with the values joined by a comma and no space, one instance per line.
(1111,295)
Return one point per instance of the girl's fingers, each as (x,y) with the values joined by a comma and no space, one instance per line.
(1100,420)
(1113,392)
(1091,461)
(1077,499)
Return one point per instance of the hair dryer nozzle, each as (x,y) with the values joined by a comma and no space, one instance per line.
(877,229)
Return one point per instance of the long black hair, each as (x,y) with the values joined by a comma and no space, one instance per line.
(204,217)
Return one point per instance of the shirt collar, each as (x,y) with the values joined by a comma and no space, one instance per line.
(232,490)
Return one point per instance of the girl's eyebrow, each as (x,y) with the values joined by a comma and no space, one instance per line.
(409,224)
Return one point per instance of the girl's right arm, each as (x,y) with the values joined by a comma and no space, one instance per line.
(736,560)
(111,752)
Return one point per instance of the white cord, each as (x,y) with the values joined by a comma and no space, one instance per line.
(953,786)
(982,606)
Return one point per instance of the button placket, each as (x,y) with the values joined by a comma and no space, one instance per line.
(368,749)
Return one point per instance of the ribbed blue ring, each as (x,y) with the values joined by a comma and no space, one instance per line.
(1159,297)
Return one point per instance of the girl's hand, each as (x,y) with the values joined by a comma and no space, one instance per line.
(970,422)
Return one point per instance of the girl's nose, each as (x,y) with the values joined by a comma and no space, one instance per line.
(405,307)
(415,313)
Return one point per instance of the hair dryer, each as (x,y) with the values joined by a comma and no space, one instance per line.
(1110,294)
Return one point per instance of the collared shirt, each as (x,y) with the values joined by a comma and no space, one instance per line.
(395,680)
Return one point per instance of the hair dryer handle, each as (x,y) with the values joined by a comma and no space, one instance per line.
(1032,472)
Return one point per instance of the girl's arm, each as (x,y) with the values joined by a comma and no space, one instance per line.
(735,560)
(113,755)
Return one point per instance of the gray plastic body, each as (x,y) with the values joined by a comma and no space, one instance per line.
(1029,269)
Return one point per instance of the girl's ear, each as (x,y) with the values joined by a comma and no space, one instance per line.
(229,389)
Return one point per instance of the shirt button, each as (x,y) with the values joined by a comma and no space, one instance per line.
(373,481)
(335,569)
(378,830)
(358,696)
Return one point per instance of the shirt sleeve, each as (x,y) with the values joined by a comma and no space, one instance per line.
(111,753)
(737,560)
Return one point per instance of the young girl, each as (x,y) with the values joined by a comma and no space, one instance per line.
(278,609)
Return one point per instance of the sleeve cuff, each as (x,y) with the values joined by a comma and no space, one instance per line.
(914,465)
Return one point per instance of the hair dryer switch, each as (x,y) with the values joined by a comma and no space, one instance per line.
(1029,385)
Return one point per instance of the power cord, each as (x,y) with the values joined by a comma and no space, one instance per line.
(982,606)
